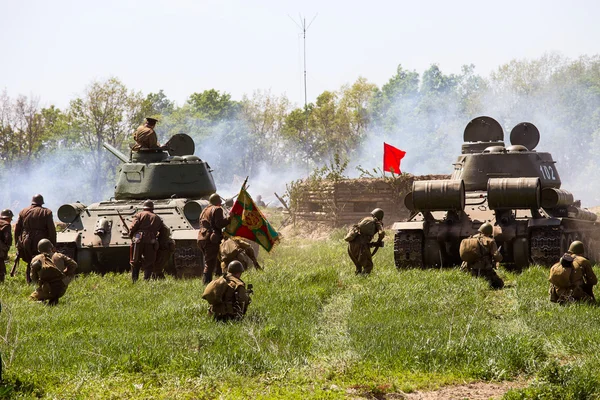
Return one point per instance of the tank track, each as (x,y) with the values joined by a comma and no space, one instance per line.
(545,244)
(408,249)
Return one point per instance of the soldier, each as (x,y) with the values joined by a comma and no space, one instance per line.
(144,244)
(572,278)
(480,253)
(212,222)
(35,223)
(145,137)
(236,248)
(228,296)
(52,272)
(166,248)
(359,241)
(5,240)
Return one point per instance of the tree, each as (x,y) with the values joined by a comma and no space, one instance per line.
(106,112)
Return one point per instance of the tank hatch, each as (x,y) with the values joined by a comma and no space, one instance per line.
(181,145)
(483,129)
(525,134)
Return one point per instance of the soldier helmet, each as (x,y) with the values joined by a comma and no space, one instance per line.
(45,246)
(214,199)
(149,205)
(487,229)
(38,199)
(377,213)
(151,121)
(6,214)
(235,267)
(576,247)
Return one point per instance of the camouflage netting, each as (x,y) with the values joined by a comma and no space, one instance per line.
(344,202)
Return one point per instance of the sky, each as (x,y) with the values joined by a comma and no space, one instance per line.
(54,49)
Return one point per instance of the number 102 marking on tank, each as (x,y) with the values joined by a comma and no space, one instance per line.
(547,172)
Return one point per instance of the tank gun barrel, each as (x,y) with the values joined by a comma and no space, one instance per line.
(116,152)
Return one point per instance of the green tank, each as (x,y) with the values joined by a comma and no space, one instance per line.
(178,182)
(515,188)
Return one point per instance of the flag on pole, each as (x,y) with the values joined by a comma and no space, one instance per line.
(391,158)
(248,221)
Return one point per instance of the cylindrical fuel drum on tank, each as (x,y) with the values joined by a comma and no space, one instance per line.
(583,214)
(440,195)
(514,193)
(552,198)
(68,212)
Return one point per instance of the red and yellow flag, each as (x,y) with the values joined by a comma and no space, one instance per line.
(248,221)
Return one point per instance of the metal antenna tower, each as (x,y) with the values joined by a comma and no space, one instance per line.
(304,27)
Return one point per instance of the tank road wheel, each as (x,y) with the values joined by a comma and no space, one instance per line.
(408,249)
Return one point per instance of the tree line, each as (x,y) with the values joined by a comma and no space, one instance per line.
(423,113)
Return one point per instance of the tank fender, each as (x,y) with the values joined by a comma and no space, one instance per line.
(538,222)
(184,234)
(70,237)
(415,225)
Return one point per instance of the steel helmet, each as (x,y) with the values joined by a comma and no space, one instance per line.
(487,229)
(6,214)
(214,199)
(45,246)
(37,199)
(377,213)
(235,267)
(149,205)
(576,247)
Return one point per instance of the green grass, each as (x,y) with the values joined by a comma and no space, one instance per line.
(314,330)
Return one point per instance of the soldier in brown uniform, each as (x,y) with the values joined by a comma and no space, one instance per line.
(236,248)
(212,222)
(579,278)
(35,223)
(166,248)
(52,272)
(5,240)
(145,137)
(144,242)
(487,255)
(359,241)
(228,296)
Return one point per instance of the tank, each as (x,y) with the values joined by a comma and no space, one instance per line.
(515,188)
(178,182)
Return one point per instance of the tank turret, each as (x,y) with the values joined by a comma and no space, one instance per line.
(515,188)
(178,182)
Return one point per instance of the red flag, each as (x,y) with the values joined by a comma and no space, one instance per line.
(391,158)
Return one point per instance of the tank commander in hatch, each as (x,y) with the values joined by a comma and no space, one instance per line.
(480,255)
(145,136)
(572,278)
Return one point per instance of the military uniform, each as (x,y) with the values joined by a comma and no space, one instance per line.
(235,248)
(166,248)
(5,243)
(144,137)
(359,248)
(581,282)
(52,273)
(35,223)
(212,222)
(233,300)
(484,266)
(144,244)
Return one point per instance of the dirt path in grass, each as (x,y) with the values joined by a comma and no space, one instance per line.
(473,391)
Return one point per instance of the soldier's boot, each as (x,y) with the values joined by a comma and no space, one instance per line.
(135,273)
(28,273)
(52,302)
(147,274)
(206,278)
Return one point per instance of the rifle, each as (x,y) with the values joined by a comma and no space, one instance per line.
(13,271)
(124,223)
(376,245)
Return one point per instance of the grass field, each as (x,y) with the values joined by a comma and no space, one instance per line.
(314,330)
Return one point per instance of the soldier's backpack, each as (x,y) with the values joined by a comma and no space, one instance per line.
(560,273)
(214,291)
(471,250)
(49,272)
(353,233)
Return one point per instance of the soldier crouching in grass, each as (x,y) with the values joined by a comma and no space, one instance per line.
(52,272)
(359,241)
(572,279)
(480,254)
(228,296)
